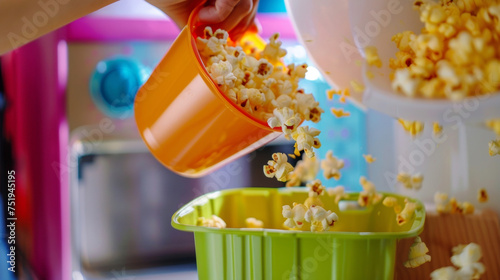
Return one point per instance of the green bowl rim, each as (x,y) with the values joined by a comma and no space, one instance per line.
(416,229)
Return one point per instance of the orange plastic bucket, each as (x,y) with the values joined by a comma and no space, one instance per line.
(188,124)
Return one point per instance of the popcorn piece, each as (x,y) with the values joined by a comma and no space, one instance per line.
(494,125)
(339,113)
(308,108)
(255,97)
(331,92)
(331,166)
(316,188)
(467,259)
(444,273)
(467,208)
(295,216)
(357,86)
(306,139)
(442,203)
(368,195)
(273,51)
(404,83)
(437,129)
(372,57)
(407,213)
(254,223)
(413,127)
(320,219)
(213,221)
(482,195)
(418,254)
(286,118)
(369,158)
(313,201)
(213,43)
(338,193)
(494,147)
(222,74)
(409,181)
(263,69)
(391,201)
(297,72)
(278,167)
(305,170)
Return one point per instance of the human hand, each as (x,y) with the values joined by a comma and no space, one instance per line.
(235,16)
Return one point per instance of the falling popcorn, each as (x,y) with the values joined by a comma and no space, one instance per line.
(357,86)
(331,92)
(308,107)
(305,170)
(466,258)
(254,223)
(372,57)
(316,189)
(410,181)
(407,213)
(413,127)
(369,158)
(273,51)
(482,195)
(320,219)
(344,94)
(295,216)
(278,167)
(331,166)
(494,125)
(437,129)
(306,140)
(368,195)
(391,201)
(214,221)
(442,203)
(494,147)
(444,273)
(338,193)
(339,113)
(285,118)
(418,254)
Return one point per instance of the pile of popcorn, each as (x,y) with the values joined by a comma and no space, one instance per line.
(456,55)
(258,83)
(466,259)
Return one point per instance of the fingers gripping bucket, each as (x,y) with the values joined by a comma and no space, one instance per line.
(362,244)
(188,124)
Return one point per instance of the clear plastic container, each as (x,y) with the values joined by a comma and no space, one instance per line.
(361,245)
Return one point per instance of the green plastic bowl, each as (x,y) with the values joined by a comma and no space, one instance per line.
(361,245)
